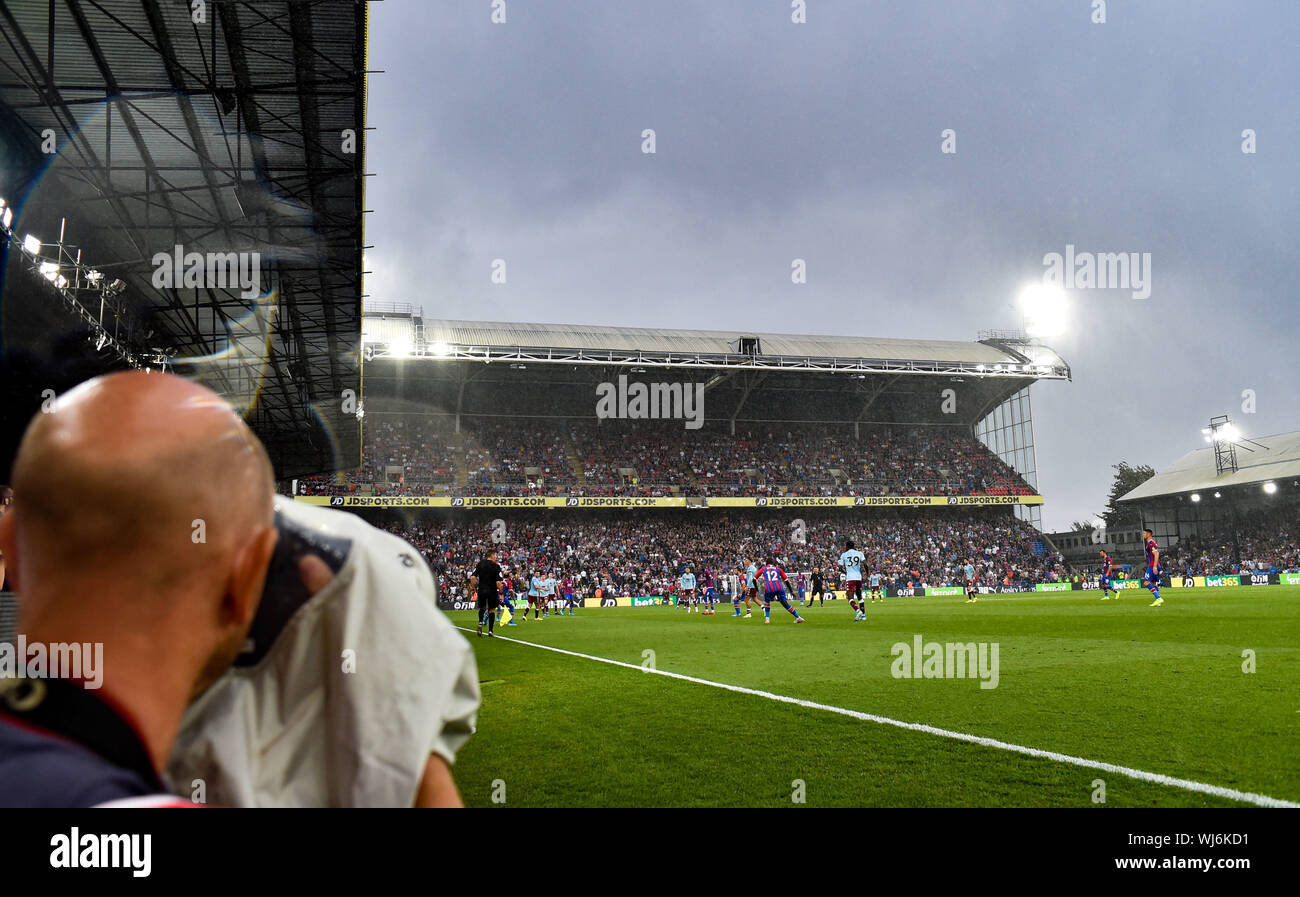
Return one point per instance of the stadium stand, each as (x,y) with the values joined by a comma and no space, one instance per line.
(410,454)
(1269,542)
(920,451)
(516,409)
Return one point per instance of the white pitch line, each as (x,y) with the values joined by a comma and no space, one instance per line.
(1261,800)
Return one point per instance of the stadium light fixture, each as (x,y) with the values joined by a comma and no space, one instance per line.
(1196,496)
(31,245)
(7,218)
(1218,495)
(1044,309)
(49,270)
(1270,488)
(440,349)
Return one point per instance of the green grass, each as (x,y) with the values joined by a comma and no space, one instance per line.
(1156,689)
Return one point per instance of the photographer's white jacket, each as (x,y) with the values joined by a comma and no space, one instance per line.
(337,701)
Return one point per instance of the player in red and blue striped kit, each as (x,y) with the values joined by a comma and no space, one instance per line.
(773,583)
(1151,581)
(1108,569)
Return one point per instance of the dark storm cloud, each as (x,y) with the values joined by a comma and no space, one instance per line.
(822,141)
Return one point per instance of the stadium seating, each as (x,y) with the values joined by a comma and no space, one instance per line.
(1268,541)
(421,455)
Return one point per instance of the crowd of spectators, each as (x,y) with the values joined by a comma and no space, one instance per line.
(515,455)
(1262,542)
(633,458)
(909,461)
(645,554)
(416,445)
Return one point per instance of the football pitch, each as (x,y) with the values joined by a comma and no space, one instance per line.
(1143,706)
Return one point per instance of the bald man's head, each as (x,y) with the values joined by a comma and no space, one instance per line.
(134,462)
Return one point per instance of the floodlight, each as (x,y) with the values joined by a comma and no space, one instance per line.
(32,245)
(49,270)
(1196,496)
(1270,488)
(440,348)
(1044,309)
(7,218)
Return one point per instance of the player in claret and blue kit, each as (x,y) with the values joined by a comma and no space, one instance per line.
(851,561)
(1151,581)
(687,585)
(547,597)
(1107,572)
(751,587)
(772,581)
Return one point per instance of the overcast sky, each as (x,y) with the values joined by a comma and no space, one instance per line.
(822,141)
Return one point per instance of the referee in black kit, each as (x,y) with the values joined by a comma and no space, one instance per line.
(486,581)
